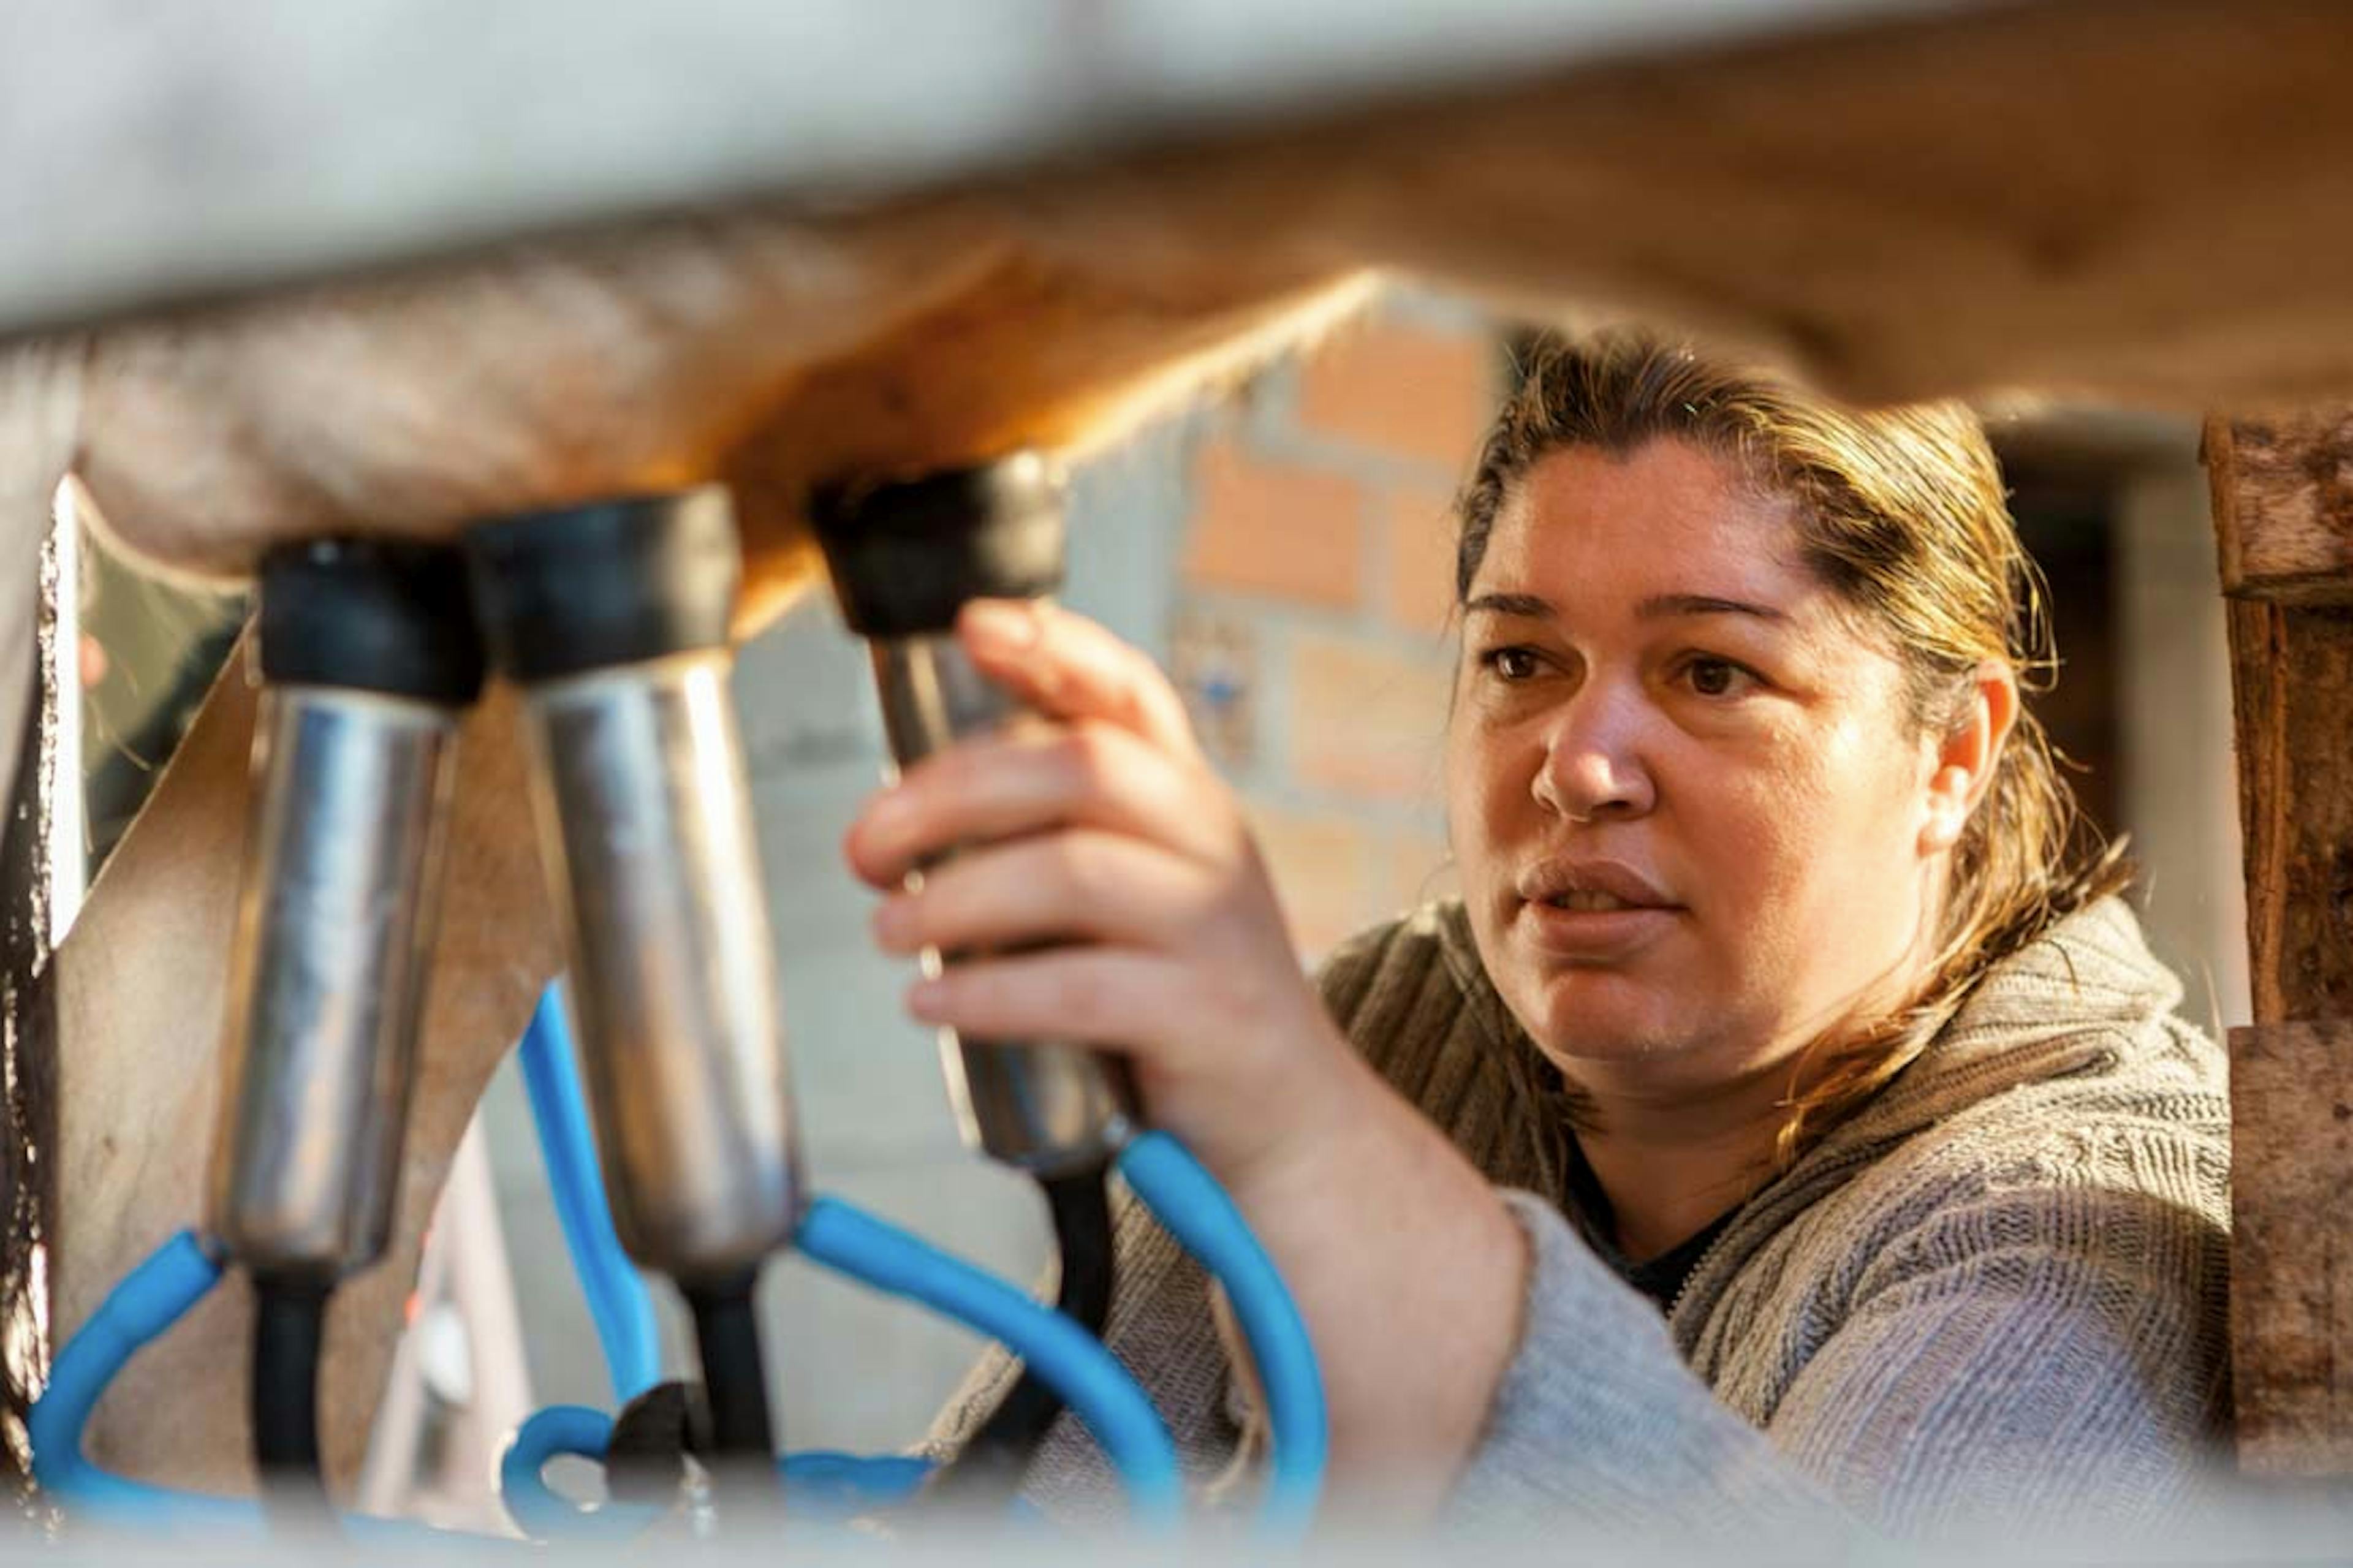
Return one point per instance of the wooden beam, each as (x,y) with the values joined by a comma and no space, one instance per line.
(2283,491)
(2283,506)
(2292,684)
(2292,1252)
(2282,519)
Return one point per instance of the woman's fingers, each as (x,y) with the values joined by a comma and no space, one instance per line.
(1238,1059)
(1104,888)
(1068,667)
(1084,775)
(1084,885)
(1118,998)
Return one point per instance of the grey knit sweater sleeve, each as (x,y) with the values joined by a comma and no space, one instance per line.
(1599,1420)
(1998,1300)
(1990,1372)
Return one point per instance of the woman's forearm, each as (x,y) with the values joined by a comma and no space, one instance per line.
(1412,1273)
(1111,878)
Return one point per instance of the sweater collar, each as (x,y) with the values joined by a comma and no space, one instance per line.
(2057,1005)
(2067,1001)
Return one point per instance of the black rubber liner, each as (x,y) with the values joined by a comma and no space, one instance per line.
(611,583)
(906,555)
(373,615)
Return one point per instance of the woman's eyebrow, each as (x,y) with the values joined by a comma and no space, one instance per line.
(1662,606)
(1527,605)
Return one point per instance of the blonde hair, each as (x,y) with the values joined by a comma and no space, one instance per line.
(1901,512)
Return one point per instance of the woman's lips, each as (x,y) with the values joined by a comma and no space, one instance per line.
(1594,936)
(1592,910)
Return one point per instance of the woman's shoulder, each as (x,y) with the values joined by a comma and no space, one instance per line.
(2139,1115)
(2105,1155)
(2069,1071)
(1413,980)
(1419,948)
(2067,1120)
(2095,1196)
(2110,1184)
(1411,996)
(2074,1031)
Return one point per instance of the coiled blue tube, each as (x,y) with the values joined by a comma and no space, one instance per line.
(618,1303)
(819,1483)
(536,1509)
(1205,1223)
(1071,1361)
(866,1248)
(148,1301)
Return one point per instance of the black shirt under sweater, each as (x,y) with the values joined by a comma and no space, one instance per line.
(1660,1278)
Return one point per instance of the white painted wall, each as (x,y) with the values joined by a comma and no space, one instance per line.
(2180,795)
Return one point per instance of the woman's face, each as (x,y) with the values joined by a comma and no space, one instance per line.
(1688,807)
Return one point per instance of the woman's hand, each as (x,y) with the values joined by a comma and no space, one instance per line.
(1108,837)
(1109,875)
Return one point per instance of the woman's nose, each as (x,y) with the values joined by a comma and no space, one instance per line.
(1592,767)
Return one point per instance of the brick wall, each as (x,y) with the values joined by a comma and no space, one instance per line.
(1309,625)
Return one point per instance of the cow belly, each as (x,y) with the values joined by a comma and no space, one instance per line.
(2022,195)
(761,350)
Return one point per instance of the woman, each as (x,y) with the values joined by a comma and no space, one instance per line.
(1786,1125)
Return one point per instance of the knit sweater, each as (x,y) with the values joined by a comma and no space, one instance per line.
(1997,1292)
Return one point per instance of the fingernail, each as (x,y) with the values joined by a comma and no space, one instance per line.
(893,919)
(1007,626)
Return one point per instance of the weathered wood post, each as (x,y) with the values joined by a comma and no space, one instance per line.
(2283,492)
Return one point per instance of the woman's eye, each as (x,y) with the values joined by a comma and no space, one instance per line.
(1510,663)
(1712,677)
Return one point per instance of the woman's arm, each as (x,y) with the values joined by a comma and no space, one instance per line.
(1112,838)
(2044,1358)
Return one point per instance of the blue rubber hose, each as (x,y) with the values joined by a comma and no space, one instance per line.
(1205,1223)
(537,1510)
(618,1303)
(149,1301)
(824,1484)
(1069,1359)
(135,1313)
(818,1484)
(840,1237)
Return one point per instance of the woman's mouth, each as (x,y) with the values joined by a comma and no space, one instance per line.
(1593,928)
(1591,901)
(1593,911)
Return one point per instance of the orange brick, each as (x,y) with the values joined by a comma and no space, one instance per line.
(1365,722)
(1406,390)
(1318,864)
(1420,589)
(1275,529)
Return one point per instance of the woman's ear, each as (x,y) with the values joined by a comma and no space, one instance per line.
(1962,767)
